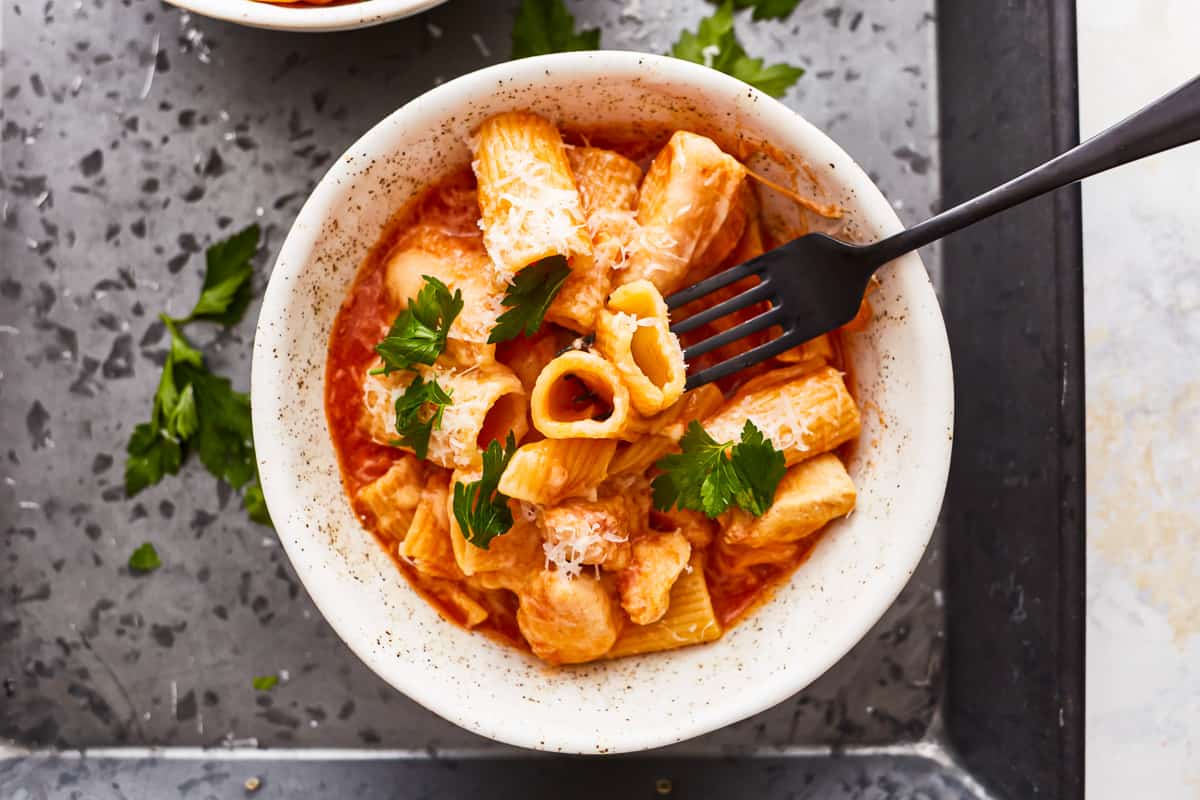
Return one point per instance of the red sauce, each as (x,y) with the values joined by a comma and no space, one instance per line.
(364,319)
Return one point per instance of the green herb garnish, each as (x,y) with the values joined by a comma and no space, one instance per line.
(192,407)
(715,44)
(265,683)
(228,269)
(419,413)
(481,511)
(418,335)
(545,26)
(528,297)
(703,478)
(144,559)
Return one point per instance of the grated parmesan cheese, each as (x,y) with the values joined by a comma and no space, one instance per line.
(569,550)
(530,208)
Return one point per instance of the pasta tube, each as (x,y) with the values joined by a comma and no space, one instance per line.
(528,202)
(517,550)
(551,470)
(427,546)
(487,402)
(608,187)
(805,416)
(634,334)
(684,201)
(580,395)
(389,502)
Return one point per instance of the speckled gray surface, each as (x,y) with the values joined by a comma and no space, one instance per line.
(132,136)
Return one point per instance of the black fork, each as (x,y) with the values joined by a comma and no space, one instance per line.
(816,283)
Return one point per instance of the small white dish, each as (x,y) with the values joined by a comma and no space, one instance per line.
(900,365)
(306,19)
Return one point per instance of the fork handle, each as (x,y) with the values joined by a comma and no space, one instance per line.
(1168,122)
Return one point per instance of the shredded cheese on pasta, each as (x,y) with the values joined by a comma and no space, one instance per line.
(537,211)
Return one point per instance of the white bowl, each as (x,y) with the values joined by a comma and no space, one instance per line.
(306,19)
(901,366)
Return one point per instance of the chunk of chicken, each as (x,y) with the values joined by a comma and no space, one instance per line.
(588,531)
(645,586)
(568,620)
(811,494)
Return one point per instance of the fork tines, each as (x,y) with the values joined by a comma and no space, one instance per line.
(756,294)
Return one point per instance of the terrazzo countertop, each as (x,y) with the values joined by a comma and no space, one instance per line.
(1141,226)
(133,136)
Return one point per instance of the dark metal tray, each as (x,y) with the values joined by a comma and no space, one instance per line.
(132,133)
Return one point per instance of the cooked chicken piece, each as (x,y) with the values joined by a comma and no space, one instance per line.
(645,586)
(588,532)
(811,494)
(568,620)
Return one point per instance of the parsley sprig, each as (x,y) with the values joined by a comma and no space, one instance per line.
(715,44)
(481,511)
(419,413)
(144,559)
(418,335)
(528,297)
(703,477)
(192,407)
(545,26)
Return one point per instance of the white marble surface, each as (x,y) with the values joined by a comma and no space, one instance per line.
(1141,227)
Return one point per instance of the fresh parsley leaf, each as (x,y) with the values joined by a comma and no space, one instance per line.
(703,478)
(415,420)
(481,511)
(150,455)
(265,683)
(715,44)
(418,335)
(194,408)
(766,9)
(155,447)
(227,273)
(685,474)
(528,297)
(545,26)
(760,468)
(223,437)
(144,559)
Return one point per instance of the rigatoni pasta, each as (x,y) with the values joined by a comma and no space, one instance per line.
(553,469)
(580,395)
(520,437)
(528,203)
(685,200)
(633,333)
(608,187)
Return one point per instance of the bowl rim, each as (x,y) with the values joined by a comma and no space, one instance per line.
(936,374)
(309,19)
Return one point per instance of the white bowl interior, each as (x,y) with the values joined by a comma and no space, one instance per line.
(901,367)
(310,19)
